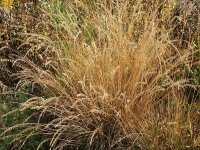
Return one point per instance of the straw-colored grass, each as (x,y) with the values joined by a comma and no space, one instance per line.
(118,80)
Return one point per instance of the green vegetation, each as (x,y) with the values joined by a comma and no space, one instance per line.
(99,75)
(11,116)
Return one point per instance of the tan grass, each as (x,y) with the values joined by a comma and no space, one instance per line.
(120,88)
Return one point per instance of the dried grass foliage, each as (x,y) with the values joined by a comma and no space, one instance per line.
(118,84)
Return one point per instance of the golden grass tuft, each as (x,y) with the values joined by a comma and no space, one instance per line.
(118,84)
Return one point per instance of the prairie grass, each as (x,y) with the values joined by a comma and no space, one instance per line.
(113,78)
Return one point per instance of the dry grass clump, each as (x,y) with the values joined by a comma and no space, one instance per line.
(118,80)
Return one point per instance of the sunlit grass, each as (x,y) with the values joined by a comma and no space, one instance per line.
(6,3)
(111,77)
